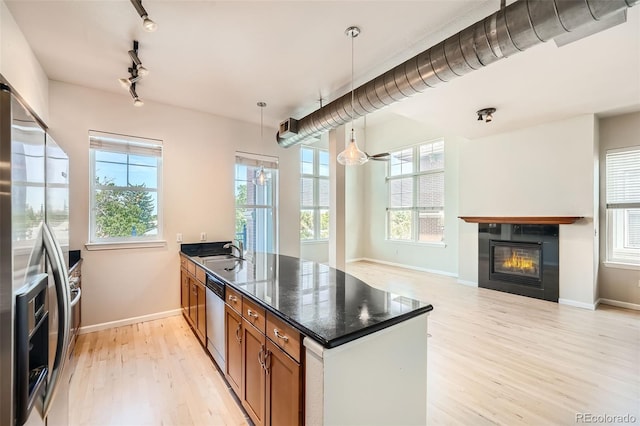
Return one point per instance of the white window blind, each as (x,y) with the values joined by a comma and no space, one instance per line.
(623,178)
(623,205)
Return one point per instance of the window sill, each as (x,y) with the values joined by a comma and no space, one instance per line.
(620,265)
(122,245)
(314,241)
(419,244)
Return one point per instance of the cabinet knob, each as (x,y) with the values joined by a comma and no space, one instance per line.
(233,299)
(252,314)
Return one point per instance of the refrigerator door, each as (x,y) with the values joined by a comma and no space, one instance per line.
(22,204)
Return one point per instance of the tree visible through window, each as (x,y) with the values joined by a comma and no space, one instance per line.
(126,176)
(415,183)
(314,194)
(255,222)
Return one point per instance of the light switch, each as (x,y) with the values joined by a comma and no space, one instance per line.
(179,237)
(203,236)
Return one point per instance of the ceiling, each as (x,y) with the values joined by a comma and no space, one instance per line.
(222,57)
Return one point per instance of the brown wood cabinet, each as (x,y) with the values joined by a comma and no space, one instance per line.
(263,369)
(253,372)
(201,313)
(193,298)
(184,291)
(283,388)
(233,349)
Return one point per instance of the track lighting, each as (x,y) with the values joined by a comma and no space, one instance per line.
(486,114)
(147,23)
(136,71)
(127,82)
(142,71)
(136,100)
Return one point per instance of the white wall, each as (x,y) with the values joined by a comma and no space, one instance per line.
(19,66)
(614,283)
(547,170)
(198,168)
(392,135)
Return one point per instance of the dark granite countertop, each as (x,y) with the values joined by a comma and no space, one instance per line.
(325,304)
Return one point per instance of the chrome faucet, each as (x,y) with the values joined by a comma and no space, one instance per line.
(237,247)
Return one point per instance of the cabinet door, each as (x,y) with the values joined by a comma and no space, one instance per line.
(193,301)
(184,292)
(253,374)
(283,395)
(201,324)
(233,348)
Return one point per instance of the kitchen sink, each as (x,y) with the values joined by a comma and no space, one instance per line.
(218,258)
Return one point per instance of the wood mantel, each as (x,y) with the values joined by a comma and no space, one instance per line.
(527,220)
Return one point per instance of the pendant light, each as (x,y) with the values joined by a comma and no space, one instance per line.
(352,156)
(261,176)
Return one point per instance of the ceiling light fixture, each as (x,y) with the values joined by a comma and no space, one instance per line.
(147,23)
(127,82)
(352,156)
(486,114)
(137,63)
(136,72)
(261,176)
(136,99)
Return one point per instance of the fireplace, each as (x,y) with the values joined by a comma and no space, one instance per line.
(515,261)
(519,258)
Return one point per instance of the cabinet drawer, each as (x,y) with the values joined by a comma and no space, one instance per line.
(200,275)
(183,262)
(283,335)
(191,267)
(254,314)
(233,299)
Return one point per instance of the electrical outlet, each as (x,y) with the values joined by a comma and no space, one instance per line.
(179,237)
(638,283)
(203,236)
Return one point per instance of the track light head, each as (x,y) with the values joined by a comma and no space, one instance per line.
(136,100)
(142,71)
(486,114)
(147,23)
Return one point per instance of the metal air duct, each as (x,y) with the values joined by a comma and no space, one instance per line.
(510,30)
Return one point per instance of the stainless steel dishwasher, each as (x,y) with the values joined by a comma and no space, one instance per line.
(215,320)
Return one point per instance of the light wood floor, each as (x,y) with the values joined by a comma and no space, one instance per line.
(494,358)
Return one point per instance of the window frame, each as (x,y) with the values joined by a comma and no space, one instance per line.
(617,212)
(271,167)
(415,174)
(316,208)
(138,241)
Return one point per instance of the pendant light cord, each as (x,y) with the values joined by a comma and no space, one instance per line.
(352,94)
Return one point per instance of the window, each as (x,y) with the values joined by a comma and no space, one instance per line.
(255,204)
(126,196)
(623,205)
(415,183)
(314,194)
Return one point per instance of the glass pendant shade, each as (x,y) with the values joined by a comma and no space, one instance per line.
(261,177)
(352,156)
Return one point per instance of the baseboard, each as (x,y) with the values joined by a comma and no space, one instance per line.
(619,304)
(359,259)
(414,268)
(574,303)
(469,283)
(128,321)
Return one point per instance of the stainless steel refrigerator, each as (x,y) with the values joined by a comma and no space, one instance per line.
(35,297)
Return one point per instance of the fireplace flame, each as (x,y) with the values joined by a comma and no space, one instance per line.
(519,262)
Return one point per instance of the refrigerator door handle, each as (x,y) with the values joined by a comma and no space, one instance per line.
(61,279)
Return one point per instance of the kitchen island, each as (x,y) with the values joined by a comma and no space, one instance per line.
(361,351)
